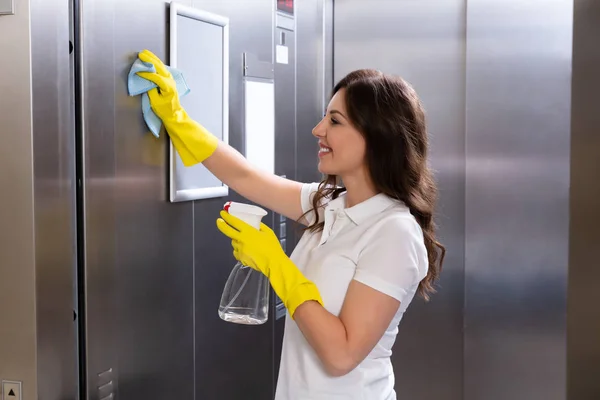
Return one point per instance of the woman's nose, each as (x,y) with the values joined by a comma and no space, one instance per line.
(319,130)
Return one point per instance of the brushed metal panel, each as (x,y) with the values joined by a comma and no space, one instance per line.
(518,113)
(583,318)
(94,55)
(231,361)
(285,122)
(426,47)
(285,154)
(139,248)
(54,186)
(311,56)
(17,245)
(300,83)
(327,49)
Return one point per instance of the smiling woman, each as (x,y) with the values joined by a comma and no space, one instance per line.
(369,246)
(342,146)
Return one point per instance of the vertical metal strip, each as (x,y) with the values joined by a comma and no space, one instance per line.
(328,45)
(80,193)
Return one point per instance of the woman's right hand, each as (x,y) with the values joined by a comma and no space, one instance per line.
(191,140)
(164,99)
(195,145)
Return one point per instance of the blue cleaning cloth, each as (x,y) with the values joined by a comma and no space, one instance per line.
(138,85)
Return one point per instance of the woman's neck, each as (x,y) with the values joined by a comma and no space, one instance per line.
(359,188)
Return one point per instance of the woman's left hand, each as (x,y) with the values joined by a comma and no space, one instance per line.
(252,247)
(260,249)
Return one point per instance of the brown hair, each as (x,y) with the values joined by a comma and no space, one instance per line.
(387,112)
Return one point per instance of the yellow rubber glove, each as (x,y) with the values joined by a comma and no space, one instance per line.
(260,249)
(191,140)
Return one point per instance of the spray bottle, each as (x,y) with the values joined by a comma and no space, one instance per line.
(245,298)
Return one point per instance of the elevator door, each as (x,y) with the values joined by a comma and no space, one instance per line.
(152,271)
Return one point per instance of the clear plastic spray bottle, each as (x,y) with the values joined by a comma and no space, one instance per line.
(245,298)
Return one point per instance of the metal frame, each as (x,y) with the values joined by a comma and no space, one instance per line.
(177,9)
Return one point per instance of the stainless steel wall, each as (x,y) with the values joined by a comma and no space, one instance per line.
(227,350)
(54,187)
(314,79)
(583,318)
(17,246)
(426,47)
(286,96)
(37,253)
(154,270)
(302,81)
(150,273)
(517,198)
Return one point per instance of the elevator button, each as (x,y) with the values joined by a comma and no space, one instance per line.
(11,390)
(282,230)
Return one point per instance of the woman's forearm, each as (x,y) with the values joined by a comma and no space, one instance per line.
(327,335)
(230,167)
(269,190)
(344,342)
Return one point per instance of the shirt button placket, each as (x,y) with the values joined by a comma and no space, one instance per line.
(338,224)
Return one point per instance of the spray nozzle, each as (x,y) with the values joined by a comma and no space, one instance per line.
(252,215)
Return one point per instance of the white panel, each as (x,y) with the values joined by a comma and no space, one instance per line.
(260,124)
(281,54)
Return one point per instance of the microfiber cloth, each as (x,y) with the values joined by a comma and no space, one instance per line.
(138,85)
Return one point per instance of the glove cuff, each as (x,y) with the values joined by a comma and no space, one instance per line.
(305,291)
(193,142)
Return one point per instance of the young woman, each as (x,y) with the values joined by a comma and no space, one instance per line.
(370,241)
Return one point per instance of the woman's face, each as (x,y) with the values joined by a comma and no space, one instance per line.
(341,147)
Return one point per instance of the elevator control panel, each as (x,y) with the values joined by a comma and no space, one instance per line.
(286,6)
(279,306)
(11,390)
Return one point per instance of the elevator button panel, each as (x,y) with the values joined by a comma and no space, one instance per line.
(12,390)
(282,230)
(279,308)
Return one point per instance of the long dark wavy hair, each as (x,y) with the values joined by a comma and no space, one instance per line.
(388,113)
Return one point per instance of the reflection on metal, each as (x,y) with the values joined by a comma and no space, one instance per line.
(151,279)
(426,47)
(517,198)
(327,51)
(54,196)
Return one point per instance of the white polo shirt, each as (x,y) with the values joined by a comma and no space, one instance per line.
(378,243)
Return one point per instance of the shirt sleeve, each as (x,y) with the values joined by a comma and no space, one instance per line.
(306,198)
(392,263)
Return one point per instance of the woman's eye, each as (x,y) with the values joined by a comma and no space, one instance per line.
(334,121)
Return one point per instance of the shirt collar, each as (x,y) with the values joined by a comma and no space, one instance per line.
(365,210)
